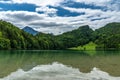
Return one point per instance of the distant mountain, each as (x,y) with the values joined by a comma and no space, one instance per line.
(30,30)
(11,37)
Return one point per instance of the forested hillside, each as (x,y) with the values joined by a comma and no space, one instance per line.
(108,36)
(80,36)
(12,37)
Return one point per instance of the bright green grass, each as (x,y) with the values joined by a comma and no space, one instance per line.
(89,46)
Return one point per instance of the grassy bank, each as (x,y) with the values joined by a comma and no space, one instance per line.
(89,46)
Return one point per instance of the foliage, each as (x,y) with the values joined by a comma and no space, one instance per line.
(80,36)
(106,37)
(89,46)
(4,43)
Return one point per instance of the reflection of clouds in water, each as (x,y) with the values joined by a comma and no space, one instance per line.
(57,71)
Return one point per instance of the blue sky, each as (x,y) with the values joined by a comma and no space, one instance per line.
(58,16)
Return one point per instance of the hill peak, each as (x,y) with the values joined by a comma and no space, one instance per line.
(30,30)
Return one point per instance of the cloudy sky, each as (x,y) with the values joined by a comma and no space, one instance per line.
(58,16)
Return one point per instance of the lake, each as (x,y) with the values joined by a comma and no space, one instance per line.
(59,65)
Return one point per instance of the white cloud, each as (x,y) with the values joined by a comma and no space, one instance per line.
(47,10)
(43,22)
(56,25)
(97,2)
(36,2)
(81,10)
(89,1)
(102,17)
(3,1)
(110,4)
(20,18)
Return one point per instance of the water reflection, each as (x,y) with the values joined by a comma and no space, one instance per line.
(108,61)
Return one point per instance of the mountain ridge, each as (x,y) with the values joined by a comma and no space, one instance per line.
(30,30)
(105,37)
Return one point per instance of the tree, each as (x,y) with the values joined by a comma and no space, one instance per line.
(4,43)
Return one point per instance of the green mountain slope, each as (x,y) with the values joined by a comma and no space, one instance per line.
(108,36)
(80,36)
(12,37)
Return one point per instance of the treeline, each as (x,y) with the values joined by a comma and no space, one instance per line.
(74,38)
(12,37)
(108,37)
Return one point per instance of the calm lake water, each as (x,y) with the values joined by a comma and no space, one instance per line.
(59,65)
